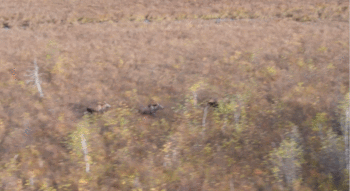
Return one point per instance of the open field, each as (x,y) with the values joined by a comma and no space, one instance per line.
(279,70)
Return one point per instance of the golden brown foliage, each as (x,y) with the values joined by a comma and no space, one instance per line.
(268,74)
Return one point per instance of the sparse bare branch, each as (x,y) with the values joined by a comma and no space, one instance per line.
(232,187)
(85,151)
(194,98)
(35,78)
(205,115)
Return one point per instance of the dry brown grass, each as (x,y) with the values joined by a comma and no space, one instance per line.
(286,69)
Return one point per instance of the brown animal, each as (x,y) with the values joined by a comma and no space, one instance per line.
(151,109)
(213,102)
(99,109)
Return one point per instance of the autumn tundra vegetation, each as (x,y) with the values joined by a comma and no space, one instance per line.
(235,95)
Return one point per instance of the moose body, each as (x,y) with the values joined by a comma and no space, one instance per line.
(151,109)
(100,109)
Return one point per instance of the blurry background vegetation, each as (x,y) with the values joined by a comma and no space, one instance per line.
(279,69)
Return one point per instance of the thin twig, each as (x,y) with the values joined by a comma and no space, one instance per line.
(232,186)
(37,81)
(223,128)
(35,78)
(194,98)
(346,130)
(83,144)
(205,115)
(31,179)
